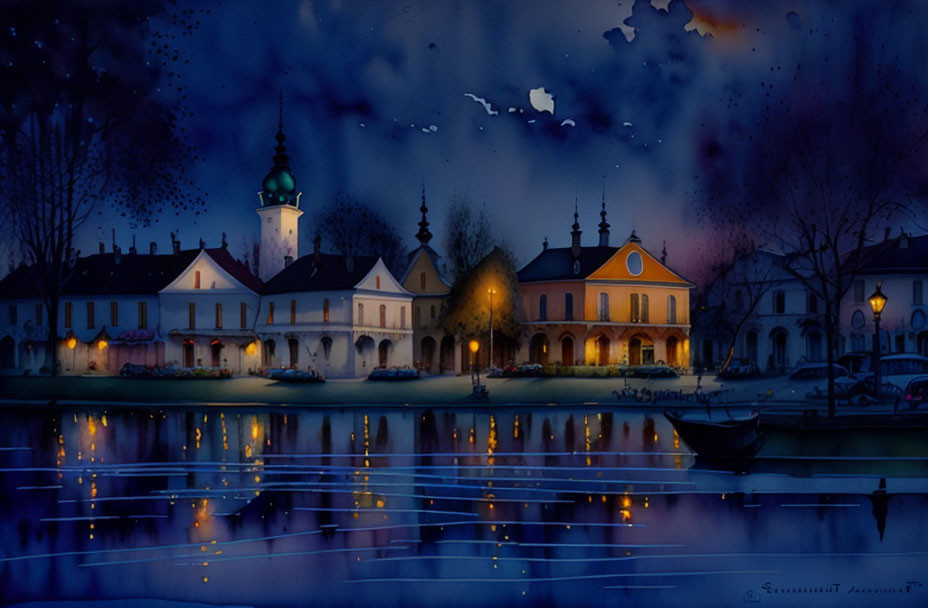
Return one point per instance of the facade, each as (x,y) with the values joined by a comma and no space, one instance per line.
(901,265)
(604,305)
(434,351)
(782,321)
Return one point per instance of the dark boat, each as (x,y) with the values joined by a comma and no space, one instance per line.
(733,438)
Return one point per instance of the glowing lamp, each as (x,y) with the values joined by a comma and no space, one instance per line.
(102,344)
(877,301)
(71,342)
(474,346)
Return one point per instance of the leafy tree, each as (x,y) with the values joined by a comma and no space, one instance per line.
(467,237)
(466,312)
(90,113)
(353,228)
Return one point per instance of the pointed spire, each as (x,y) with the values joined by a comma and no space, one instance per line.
(279,186)
(281,160)
(424,235)
(634,238)
(664,253)
(575,232)
(603,224)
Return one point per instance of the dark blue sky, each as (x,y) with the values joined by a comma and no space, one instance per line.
(379,95)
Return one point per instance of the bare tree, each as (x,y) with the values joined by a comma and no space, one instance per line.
(353,228)
(467,237)
(84,121)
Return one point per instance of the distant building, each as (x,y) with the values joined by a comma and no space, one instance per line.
(433,349)
(604,305)
(901,265)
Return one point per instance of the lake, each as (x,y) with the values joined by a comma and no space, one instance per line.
(446,506)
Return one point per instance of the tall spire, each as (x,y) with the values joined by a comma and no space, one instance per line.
(575,232)
(603,225)
(281,160)
(424,235)
(279,186)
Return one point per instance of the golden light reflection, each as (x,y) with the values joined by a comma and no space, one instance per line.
(71,343)
(586,438)
(251,349)
(492,440)
(102,344)
(91,426)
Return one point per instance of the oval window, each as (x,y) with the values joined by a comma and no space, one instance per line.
(633,263)
(857,320)
(918,319)
(576,266)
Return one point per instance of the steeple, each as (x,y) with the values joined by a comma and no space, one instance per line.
(603,225)
(575,233)
(279,184)
(633,238)
(424,235)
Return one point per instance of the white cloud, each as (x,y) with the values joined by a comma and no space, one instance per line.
(541,100)
(486,104)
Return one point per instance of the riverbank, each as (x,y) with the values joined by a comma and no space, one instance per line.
(450,390)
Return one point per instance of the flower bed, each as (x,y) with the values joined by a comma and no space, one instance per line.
(131,370)
(394,373)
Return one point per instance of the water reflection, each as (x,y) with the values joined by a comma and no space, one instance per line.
(430,506)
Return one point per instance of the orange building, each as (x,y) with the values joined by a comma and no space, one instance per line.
(604,305)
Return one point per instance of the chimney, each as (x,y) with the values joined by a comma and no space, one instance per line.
(114,240)
(288,259)
(153,248)
(102,247)
(132,249)
(202,244)
(117,255)
(175,244)
(225,244)
(544,245)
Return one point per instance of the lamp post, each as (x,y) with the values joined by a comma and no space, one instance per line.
(474,346)
(491,293)
(877,302)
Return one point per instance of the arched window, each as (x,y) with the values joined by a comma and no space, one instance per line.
(603,306)
(671,309)
(402,317)
(421,280)
(196,279)
(644,308)
(542,307)
(360,314)
(383,315)
(858,321)
(634,309)
(569,307)
(326,346)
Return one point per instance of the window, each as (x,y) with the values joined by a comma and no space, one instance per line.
(402,317)
(634,309)
(811,304)
(325,310)
(243,315)
(360,314)
(568,306)
(779,302)
(421,280)
(114,314)
(917,292)
(671,309)
(433,311)
(196,279)
(857,320)
(603,306)
(542,307)
(143,315)
(417,317)
(644,308)
(91,320)
(378,281)
(191,315)
(270,313)
(13,315)
(38,314)
(859,290)
(68,309)
(218,315)
(292,312)
(383,315)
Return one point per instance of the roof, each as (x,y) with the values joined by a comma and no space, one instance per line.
(556,264)
(904,254)
(132,274)
(320,272)
(433,256)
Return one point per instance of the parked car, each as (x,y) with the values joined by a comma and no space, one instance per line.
(916,392)
(897,369)
(856,362)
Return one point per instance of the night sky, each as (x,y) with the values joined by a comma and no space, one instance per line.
(381,95)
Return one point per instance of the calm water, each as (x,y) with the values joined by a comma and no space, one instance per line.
(438,507)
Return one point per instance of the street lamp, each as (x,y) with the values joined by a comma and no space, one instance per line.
(491,292)
(474,346)
(877,302)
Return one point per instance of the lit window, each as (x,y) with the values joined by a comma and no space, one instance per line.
(196,279)
(270,313)
(325,310)
(378,281)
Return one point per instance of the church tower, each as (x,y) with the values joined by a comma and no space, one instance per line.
(279,212)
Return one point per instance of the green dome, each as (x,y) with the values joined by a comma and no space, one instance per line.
(279,181)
